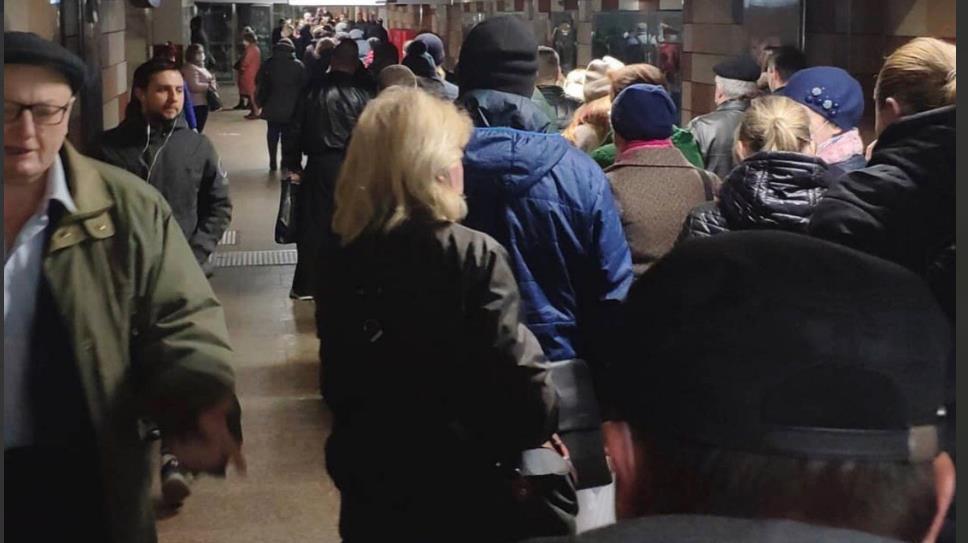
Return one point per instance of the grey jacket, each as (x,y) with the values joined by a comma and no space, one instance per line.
(716,132)
(703,529)
(183,165)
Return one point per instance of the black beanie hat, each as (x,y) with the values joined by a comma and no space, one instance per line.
(29,48)
(778,343)
(499,54)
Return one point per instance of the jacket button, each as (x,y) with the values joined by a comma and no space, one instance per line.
(65,234)
(102,227)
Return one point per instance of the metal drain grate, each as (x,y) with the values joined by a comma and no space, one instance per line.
(235,259)
(229,237)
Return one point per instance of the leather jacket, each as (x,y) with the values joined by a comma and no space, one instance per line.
(716,132)
(562,105)
(325,117)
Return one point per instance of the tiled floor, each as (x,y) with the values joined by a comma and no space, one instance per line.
(287,496)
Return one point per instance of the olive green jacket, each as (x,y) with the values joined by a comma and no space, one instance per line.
(147,333)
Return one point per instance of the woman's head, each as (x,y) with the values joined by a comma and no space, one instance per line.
(420,176)
(635,74)
(287,30)
(919,76)
(195,54)
(248,38)
(590,125)
(774,123)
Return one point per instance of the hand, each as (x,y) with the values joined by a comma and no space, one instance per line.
(211,447)
(295,177)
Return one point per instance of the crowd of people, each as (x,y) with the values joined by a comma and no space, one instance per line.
(544,307)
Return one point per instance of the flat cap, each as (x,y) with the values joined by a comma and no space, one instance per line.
(742,68)
(29,48)
(778,343)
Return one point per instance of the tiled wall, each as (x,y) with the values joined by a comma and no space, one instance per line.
(114,65)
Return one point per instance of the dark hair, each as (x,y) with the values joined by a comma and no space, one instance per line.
(144,73)
(890,499)
(787,60)
(346,51)
(634,74)
(193,51)
(548,62)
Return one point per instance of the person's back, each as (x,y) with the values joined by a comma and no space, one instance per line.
(280,82)
(654,185)
(779,181)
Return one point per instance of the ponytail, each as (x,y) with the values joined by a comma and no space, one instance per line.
(921,75)
(775,123)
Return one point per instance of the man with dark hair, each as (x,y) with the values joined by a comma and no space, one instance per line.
(107,320)
(154,143)
(321,126)
(781,64)
(277,31)
(777,387)
(549,84)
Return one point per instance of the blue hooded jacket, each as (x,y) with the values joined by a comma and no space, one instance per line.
(552,208)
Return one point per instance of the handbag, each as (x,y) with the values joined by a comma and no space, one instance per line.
(580,422)
(287,228)
(213,99)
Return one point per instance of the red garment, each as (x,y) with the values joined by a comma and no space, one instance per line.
(645,144)
(248,70)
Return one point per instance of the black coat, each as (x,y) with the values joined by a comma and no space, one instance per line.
(431,376)
(715,134)
(902,205)
(280,82)
(183,165)
(325,116)
(766,191)
(563,105)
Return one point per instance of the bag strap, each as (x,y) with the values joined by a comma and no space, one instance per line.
(707,184)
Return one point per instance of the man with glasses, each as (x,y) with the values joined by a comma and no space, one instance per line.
(107,321)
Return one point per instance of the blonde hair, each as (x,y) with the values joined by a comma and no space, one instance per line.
(418,137)
(920,75)
(775,123)
(590,124)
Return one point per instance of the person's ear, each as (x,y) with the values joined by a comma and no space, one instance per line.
(139,93)
(740,150)
(944,488)
(894,108)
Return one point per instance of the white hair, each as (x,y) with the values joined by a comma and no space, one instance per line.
(734,88)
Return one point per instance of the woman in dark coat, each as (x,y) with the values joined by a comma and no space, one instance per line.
(779,181)
(430,374)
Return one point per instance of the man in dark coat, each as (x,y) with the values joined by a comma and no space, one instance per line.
(716,132)
(154,143)
(321,127)
(551,206)
(777,387)
(549,79)
(280,82)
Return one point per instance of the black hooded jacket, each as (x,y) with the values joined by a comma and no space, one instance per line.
(280,81)
(901,207)
(183,165)
(776,191)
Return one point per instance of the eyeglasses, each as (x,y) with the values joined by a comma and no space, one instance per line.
(43,114)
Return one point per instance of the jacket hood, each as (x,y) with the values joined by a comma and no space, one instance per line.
(491,108)
(515,159)
(775,190)
(283,51)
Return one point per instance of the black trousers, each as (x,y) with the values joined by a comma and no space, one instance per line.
(316,206)
(275,133)
(201,117)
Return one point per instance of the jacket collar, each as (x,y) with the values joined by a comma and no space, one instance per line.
(92,201)
(736,104)
(493,109)
(663,157)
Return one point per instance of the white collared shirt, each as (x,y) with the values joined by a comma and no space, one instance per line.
(22,271)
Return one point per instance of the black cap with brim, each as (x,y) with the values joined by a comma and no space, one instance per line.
(778,343)
(29,48)
(741,68)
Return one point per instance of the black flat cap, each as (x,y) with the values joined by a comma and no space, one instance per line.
(743,68)
(778,343)
(29,48)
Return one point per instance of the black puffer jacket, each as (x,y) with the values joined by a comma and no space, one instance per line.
(902,205)
(325,117)
(766,191)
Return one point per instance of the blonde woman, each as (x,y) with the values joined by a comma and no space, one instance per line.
(902,205)
(431,377)
(777,182)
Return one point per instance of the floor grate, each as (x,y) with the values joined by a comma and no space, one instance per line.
(234,259)
(229,237)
